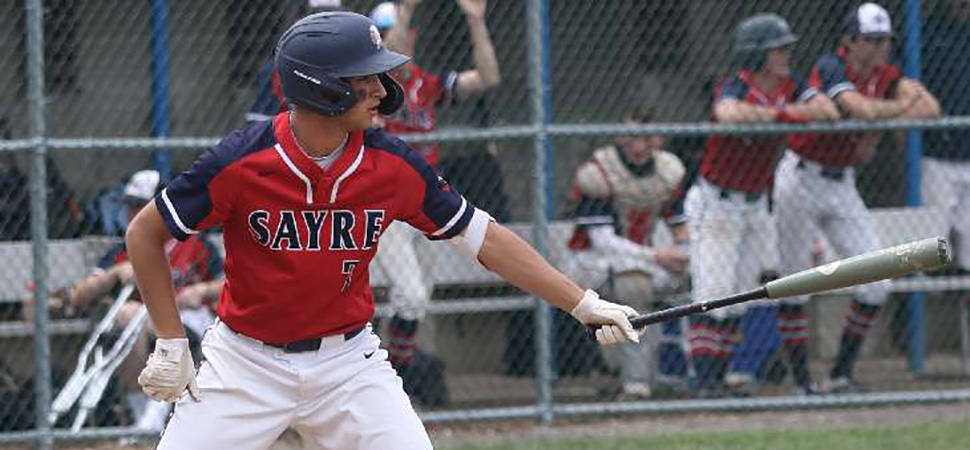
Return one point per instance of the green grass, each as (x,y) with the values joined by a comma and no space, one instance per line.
(929,436)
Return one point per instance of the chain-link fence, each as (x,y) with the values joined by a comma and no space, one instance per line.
(584,126)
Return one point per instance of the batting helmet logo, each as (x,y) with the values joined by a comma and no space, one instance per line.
(375,37)
(318,53)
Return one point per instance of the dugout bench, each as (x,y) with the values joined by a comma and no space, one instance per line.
(70,260)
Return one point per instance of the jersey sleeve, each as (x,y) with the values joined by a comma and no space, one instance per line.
(115,255)
(734,89)
(203,196)
(829,76)
(428,202)
(441,88)
(802,92)
(591,212)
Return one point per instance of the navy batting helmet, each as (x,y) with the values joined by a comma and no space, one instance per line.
(758,34)
(318,52)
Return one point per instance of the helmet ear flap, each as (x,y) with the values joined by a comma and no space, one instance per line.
(322,93)
(334,96)
(394,98)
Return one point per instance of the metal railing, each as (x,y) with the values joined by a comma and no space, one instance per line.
(540,131)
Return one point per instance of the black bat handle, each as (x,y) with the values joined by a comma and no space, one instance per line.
(686,310)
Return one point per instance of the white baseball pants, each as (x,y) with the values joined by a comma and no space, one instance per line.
(946,185)
(807,204)
(343,396)
(732,242)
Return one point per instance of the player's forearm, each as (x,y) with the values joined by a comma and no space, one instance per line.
(818,107)
(604,238)
(926,107)
(93,286)
(146,238)
(733,111)
(517,262)
(483,53)
(394,40)
(858,106)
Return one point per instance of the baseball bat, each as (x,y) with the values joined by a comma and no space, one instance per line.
(892,262)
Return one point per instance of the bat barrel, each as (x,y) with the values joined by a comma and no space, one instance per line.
(892,262)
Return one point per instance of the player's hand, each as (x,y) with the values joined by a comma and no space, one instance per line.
(913,92)
(192,296)
(411,3)
(672,259)
(124,272)
(169,371)
(592,310)
(474,9)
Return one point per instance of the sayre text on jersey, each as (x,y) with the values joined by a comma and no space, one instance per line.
(301,230)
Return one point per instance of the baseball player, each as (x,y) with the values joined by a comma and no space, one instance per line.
(303,201)
(269,99)
(424,93)
(815,188)
(731,231)
(946,162)
(195,263)
(622,190)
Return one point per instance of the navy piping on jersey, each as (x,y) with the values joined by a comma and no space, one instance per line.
(378,139)
(255,137)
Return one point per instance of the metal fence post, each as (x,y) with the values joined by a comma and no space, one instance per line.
(161,102)
(38,218)
(538,32)
(916,304)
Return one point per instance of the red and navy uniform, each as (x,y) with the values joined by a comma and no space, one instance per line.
(637,225)
(833,75)
(424,92)
(269,95)
(192,261)
(299,238)
(747,163)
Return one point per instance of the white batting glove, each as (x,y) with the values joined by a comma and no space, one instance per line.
(614,318)
(169,371)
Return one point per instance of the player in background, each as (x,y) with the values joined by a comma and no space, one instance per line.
(622,191)
(815,186)
(196,269)
(731,230)
(424,92)
(304,200)
(269,99)
(946,162)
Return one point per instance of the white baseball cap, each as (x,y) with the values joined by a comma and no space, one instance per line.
(142,186)
(384,15)
(323,5)
(869,19)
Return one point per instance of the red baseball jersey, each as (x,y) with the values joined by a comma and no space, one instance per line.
(746,163)
(423,93)
(833,75)
(299,238)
